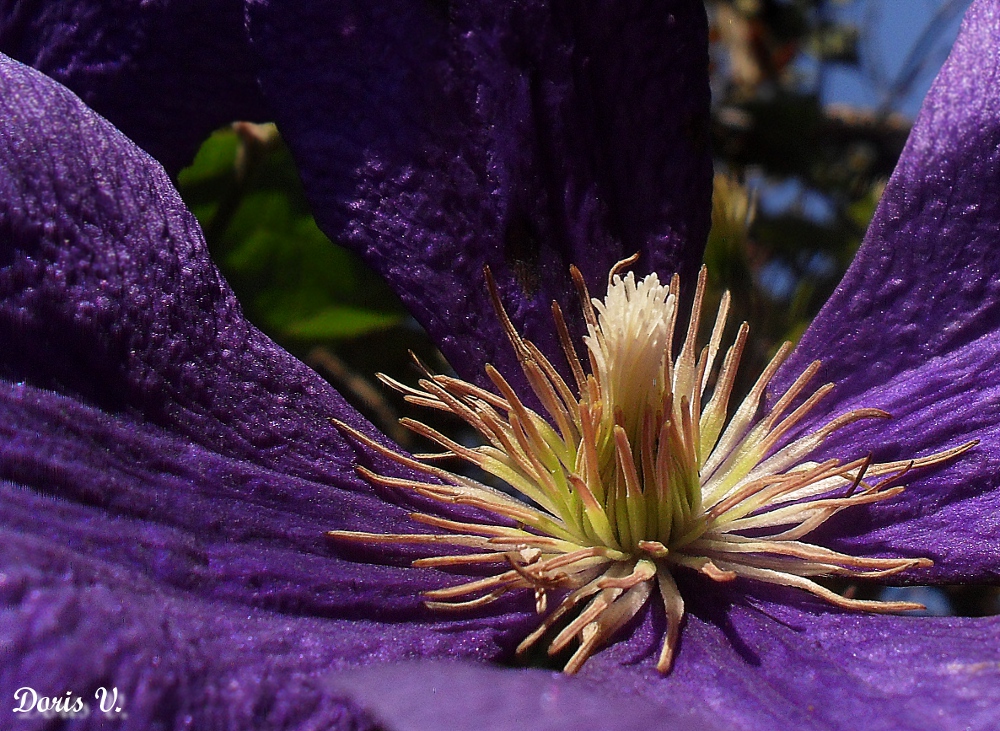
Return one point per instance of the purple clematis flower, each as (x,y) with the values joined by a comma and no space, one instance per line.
(170,473)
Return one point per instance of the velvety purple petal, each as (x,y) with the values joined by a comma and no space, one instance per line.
(436,138)
(200,586)
(170,666)
(107,293)
(927,278)
(166,73)
(168,474)
(131,375)
(758,665)
(192,518)
(460,697)
(949,513)
(178,658)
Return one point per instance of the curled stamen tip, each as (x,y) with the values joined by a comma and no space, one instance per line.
(716,574)
(621,266)
(541,601)
(529,555)
(654,548)
(666,660)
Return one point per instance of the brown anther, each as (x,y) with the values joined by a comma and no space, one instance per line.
(621,266)
(860,476)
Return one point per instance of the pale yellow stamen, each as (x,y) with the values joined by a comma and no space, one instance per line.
(636,473)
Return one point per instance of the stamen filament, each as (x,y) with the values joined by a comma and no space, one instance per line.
(632,478)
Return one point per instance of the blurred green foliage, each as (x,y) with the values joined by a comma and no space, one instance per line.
(315,298)
(292,281)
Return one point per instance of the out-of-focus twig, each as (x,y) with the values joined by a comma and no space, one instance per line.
(359,391)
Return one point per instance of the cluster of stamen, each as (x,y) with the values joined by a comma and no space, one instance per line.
(636,473)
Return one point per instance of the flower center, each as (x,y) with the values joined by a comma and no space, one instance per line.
(636,474)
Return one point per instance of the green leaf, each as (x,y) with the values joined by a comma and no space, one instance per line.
(341,322)
(295,283)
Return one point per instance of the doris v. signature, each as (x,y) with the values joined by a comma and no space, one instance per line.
(31,703)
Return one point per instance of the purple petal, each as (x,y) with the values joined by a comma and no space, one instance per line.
(108,297)
(137,377)
(107,293)
(949,513)
(166,73)
(757,664)
(230,529)
(168,474)
(178,658)
(481,698)
(925,281)
(436,138)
